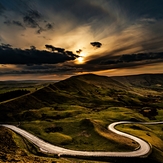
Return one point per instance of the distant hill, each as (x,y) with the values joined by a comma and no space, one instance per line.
(154,81)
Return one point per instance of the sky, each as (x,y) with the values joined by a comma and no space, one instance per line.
(55,39)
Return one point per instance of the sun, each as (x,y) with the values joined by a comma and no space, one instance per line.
(80,59)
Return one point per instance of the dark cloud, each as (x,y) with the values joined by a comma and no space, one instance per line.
(34,14)
(48,26)
(122,61)
(5,46)
(126,58)
(32,47)
(96,44)
(40,30)
(18,23)
(31,22)
(70,54)
(14,22)
(79,51)
(7,22)
(56,49)
(50,47)
(10,55)
(129,65)
(60,50)
(32,19)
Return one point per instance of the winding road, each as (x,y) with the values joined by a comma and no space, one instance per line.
(144,150)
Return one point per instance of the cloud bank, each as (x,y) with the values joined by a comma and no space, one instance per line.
(9,55)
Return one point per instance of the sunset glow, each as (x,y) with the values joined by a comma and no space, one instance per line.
(57,38)
(80,60)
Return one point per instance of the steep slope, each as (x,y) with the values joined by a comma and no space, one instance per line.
(101,81)
(9,109)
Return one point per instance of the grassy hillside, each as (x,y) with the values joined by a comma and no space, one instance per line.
(152,81)
(74,113)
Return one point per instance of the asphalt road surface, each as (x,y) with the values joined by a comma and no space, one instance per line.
(143,151)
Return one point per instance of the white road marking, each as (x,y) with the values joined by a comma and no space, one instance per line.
(143,151)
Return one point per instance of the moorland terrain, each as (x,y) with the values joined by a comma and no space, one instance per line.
(74,113)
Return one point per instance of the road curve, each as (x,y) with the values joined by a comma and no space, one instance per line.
(143,151)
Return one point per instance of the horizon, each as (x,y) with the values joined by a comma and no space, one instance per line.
(19,80)
(53,40)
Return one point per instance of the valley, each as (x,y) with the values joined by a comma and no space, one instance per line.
(74,114)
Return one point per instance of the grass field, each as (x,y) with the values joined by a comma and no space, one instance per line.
(75,113)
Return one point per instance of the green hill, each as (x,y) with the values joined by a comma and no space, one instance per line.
(75,112)
(92,91)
